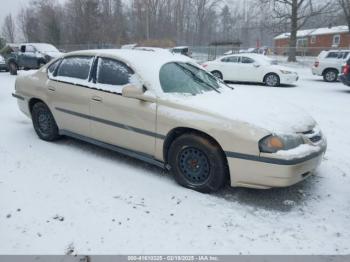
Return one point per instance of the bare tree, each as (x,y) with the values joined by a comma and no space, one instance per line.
(8,29)
(345,6)
(296,13)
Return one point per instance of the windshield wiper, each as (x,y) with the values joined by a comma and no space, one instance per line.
(197,78)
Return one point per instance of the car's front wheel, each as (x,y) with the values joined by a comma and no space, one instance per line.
(272,79)
(217,74)
(44,123)
(330,75)
(197,163)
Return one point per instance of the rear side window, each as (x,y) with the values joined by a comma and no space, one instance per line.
(113,72)
(231,59)
(75,67)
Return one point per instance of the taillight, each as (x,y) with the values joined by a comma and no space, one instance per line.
(317,64)
(346,69)
(205,65)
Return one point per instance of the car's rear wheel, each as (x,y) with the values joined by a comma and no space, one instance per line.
(272,80)
(330,75)
(197,163)
(13,68)
(44,123)
(217,74)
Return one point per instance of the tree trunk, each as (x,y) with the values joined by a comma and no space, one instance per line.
(293,33)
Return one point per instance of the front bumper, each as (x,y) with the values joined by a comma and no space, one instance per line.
(263,173)
(316,71)
(289,78)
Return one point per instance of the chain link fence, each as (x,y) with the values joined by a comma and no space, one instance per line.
(305,55)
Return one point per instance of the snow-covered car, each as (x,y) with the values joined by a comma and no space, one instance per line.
(31,56)
(3,65)
(329,64)
(173,114)
(252,68)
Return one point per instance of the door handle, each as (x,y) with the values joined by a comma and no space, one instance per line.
(97,98)
(51,88)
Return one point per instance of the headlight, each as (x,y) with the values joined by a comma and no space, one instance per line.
(286,72)
(274,143)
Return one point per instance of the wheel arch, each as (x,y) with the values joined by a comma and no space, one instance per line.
(179,131)
(330,68)
(11,60)
(32,102)
(271,73)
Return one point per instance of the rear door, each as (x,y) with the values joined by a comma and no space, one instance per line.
(117,120)
(69,94)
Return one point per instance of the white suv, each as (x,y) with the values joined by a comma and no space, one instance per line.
(329,64)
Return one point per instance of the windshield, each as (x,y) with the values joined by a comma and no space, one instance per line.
(268,61)
(45,48)
(185,78)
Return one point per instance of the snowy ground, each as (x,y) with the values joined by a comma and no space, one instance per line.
(72,195)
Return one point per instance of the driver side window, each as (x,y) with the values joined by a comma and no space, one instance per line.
(112,75)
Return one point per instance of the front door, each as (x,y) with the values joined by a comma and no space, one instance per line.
(117,120)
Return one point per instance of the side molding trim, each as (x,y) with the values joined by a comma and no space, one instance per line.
(18,97)
(141,156)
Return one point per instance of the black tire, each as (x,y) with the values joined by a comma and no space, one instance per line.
(44,123)
(197,163)
(272,80)
(217,74)
(330,75)
(13,68)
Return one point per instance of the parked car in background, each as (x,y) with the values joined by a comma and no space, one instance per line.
(253,68)
(183,50)
(173,114)
(3,65)
(345,76)
(329,64)
(31,56)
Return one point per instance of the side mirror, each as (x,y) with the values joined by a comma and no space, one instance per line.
(131,91)
(256,65)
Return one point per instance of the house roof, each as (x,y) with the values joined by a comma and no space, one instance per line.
(316,31)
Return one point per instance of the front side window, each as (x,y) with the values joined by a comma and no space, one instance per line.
(75,67)
(185,78)
(247,60)
(112,72)
(52,67)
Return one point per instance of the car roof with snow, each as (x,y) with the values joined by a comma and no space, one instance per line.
(146,63)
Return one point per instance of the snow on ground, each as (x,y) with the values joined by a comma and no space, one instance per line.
(71,195)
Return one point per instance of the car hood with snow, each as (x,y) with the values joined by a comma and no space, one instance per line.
(273,116)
